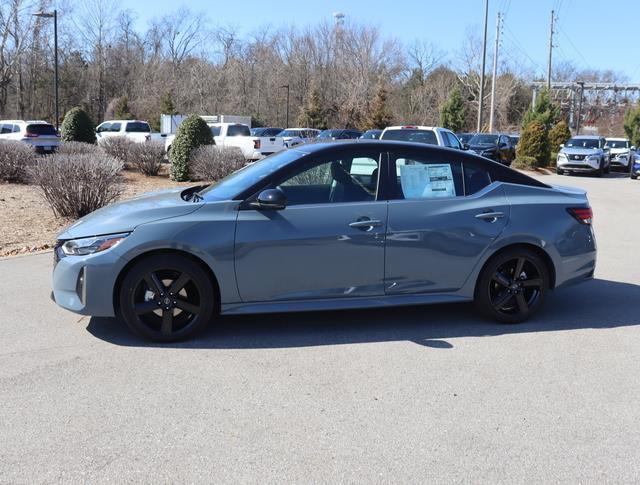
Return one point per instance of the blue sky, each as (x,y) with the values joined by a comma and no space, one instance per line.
(590,32)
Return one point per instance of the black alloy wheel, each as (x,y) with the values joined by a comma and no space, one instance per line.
(166,298)
(512,286)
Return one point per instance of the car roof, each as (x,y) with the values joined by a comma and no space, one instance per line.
(414,127)
(586,137)
(124,121)
(616,139)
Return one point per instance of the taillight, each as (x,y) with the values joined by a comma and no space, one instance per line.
(584,215)
(409,127)
(256,144)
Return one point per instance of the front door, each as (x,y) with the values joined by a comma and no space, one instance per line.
(329,240)
(441,220)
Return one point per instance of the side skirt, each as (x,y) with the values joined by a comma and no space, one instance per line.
(338,303)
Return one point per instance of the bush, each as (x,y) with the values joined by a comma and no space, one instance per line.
(75,185)
(534,142)
(524,163)
(146,158)
(77,126)
(192,133)
(558,135)
(76,148)
(211,163)
(117,147)
(16,158)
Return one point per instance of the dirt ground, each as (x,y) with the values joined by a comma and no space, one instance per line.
(27,224)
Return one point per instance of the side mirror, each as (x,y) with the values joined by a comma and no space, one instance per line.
(633,148)
(561,145)
(270,199)
(465,146)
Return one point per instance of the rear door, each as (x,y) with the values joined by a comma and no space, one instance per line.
(442,217)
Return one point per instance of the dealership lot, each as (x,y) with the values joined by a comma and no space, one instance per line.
(413,394)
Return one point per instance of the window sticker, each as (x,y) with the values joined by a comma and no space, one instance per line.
(427,181)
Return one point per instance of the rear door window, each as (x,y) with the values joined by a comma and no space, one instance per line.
(215,130)
(115,127)
(138,127)
(238,130)
(6,128)
(419,177)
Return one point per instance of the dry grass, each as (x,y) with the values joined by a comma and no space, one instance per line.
(27,223)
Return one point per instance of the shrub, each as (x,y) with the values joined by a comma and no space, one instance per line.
(525,163)
(558,135)
(192,133)
(211,163)
(76,148)
(534,142)
(16,158)
(117,147)
(77,126)
(146,158)
(75,185)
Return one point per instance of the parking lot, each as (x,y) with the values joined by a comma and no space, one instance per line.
(418,394)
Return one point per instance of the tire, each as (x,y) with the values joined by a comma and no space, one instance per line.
(633,176)
(559,172)
(507,299)
(166,298)
(607,168)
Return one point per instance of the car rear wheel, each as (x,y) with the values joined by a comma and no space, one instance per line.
(512,286)
(166,298)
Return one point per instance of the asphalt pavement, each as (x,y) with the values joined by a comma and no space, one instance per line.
(421,394)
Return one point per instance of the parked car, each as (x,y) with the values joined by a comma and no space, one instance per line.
(634,166)
(297,136)
(431,135)
(515,139)
(371,135)
(620,152)
(42,136)
(239,135)
(584,154)
(465,137)
(265,131)
(343,134)
(495,146)
(359,224)
(135,130)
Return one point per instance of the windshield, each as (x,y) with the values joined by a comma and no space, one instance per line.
(238,130)
(418,136)
(484,140)
(371,135)
(239,181)
(290,133)
(617,143)
(582,143)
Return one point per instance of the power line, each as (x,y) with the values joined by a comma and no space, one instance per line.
(574,47)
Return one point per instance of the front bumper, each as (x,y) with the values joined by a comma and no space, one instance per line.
(620,162)
(85,284)
(585,165)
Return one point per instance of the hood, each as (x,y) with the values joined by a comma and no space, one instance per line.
(579,150)
(482,147)
(127,215)
(619,150)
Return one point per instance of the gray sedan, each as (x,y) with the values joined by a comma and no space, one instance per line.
(329,226)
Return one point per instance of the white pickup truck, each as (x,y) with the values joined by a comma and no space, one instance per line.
(239,135)
(134,130)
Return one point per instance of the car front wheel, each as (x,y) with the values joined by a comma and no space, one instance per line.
(166,298)
(512,286)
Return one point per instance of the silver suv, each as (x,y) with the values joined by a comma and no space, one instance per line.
(586,154)
(42,136)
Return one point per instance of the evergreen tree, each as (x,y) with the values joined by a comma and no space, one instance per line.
(166,104)
(534,142)
(558,135)
(121,110)
(452,112)
(78,126)
(632,125)
(543,111)
(313,114)
(379,116)
(192,133)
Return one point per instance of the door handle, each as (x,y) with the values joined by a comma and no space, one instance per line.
(490,216)
(365,224)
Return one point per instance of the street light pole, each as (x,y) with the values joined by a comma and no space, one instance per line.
(54,15)
(287,88)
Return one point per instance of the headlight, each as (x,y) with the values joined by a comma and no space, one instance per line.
(90,245)
(594,158)
(562,156)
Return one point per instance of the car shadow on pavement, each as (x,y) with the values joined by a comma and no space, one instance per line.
(598,304)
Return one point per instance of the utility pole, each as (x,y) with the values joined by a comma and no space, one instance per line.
(484,59)
(494,75)
(581,84)
(550,51)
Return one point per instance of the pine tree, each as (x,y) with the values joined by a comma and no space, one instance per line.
(632,125)
(558,135)
(543,111)
(78,126)
(121,110)
(313,114)
(534,143)
(452,112)
(379,116)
